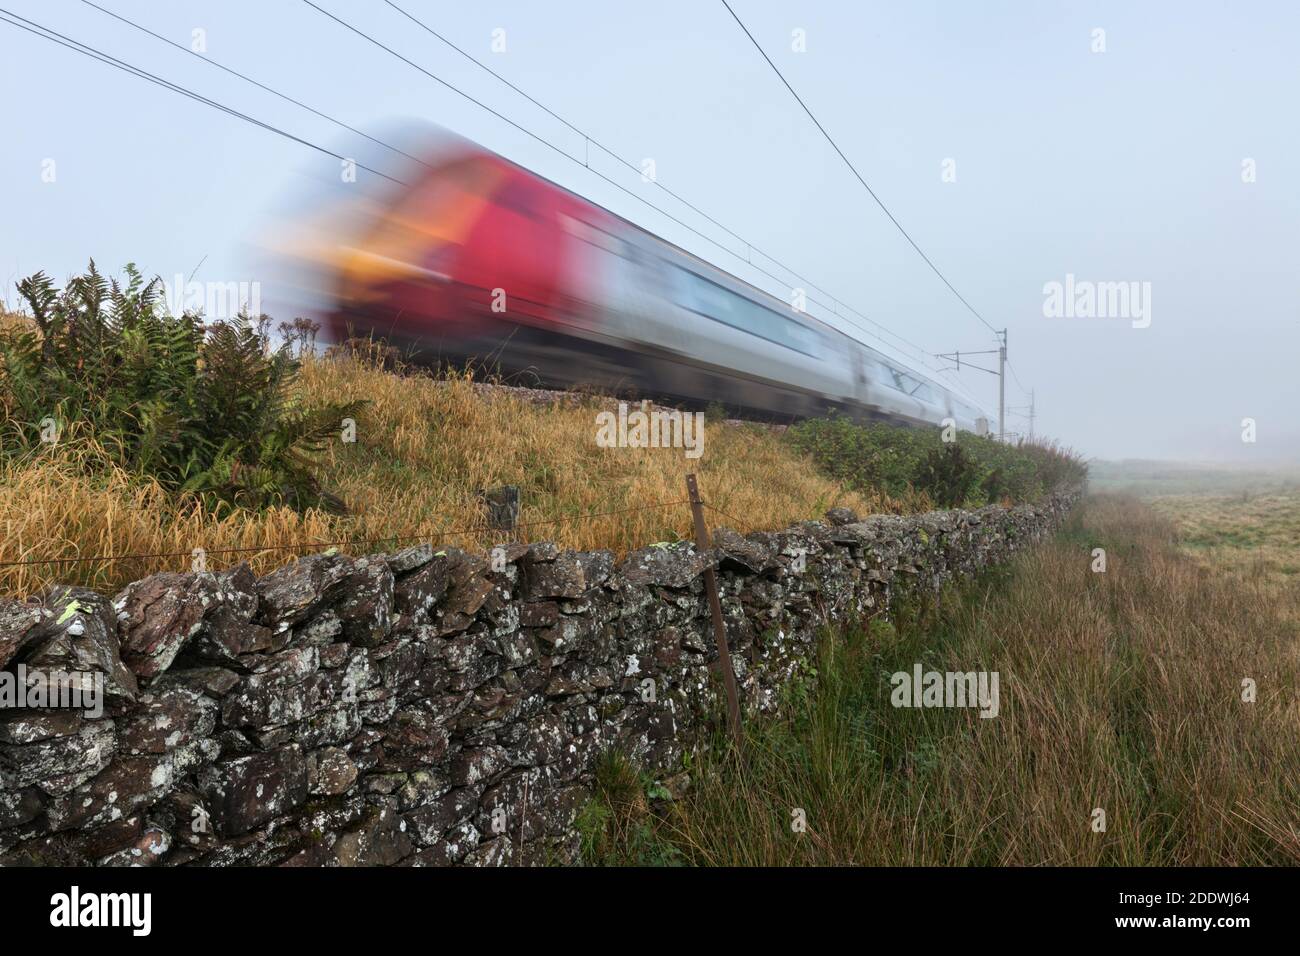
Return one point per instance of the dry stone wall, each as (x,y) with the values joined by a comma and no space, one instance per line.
(427,707)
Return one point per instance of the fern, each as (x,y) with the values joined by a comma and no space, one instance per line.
(211,413)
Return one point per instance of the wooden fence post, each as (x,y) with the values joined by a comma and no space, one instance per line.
(502,507)
(703,544)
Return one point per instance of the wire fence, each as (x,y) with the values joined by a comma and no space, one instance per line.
(424,534)
(421,534)
(694,502)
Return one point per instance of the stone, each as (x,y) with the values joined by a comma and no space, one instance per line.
(273,695)
(674,566)
(408,559)
(247,792)
(468,596)
(233,643)
(331,771)
(149,849)
(366,609)
(838,516)
(174,717)
(380,840)
(738,553)
(121,788)
(431,821)
(415,739)
(541,551)
(96,649)
(562,576)
(158,616)
(19,625)
(19,806)
(539,614)
(416,594)
(291,593)
(215,682)
(597,566)
(358,590)
(377,711)
(32,726)
(59,764)
(477,765)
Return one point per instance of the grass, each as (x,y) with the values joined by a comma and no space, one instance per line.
(1152,478)
(1251,535)
(424,446)
(171,438)
(1119,690)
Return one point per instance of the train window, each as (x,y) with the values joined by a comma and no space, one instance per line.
(890,376)
(907,384)
(715,302)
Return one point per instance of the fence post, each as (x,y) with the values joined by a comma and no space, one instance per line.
(702,544)
(502,506)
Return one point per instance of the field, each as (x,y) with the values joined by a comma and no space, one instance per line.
(1148,478)
(1239,520)
(1254,535)
(1160,692)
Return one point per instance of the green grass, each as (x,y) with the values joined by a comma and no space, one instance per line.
(1251,534)
(970,470)
(1119,691)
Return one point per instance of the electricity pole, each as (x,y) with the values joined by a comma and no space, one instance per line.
(1002,387)
(1001,373)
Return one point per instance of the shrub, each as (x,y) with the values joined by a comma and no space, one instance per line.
(973,470)
(208,411)
(948,474)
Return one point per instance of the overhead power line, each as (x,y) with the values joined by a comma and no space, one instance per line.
(855,172)
(1017,378)
(103,57)
(636,169)
(248,79)
(834,309)
(85,49)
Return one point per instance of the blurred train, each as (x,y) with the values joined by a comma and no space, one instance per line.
(481,261)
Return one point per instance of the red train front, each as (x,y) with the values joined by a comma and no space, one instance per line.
(473,261)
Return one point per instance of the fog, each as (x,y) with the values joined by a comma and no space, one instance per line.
(1041,153)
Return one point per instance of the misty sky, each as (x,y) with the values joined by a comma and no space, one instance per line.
(1122,165)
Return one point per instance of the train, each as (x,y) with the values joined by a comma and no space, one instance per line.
(480,261)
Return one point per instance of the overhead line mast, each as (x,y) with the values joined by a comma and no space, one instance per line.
(1001,373)
(1002,335)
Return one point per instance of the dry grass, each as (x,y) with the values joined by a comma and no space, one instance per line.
(424,447)
(1119,690)
(1250,534)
